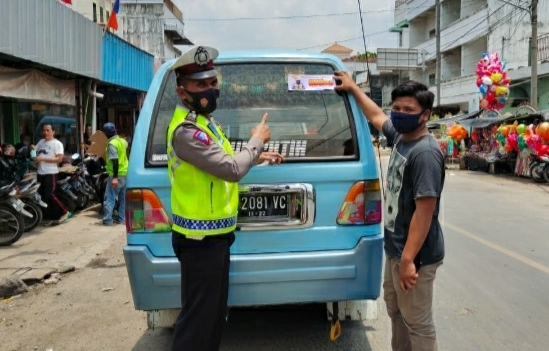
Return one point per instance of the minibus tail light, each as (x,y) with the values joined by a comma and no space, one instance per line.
(362,205)
(145,213)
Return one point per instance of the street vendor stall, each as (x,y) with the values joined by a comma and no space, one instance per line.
(485,153)
(448,134)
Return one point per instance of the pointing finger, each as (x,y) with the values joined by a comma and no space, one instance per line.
(264,119)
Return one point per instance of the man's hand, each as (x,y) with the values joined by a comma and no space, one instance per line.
(271,156)
(344,82)
(262,130)
(408,275)
(114,183)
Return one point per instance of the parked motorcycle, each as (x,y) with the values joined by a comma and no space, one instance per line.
(70,184)
(63,191)
(539,166)
(12,212)
(545,169)
(96,176)
(28,193)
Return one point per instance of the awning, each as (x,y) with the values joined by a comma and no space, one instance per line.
(399,26)
(482,122)
(454,119)
(32,84)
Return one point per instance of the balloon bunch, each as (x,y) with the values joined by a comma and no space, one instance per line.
(492,82)
(518,137)
(457,132)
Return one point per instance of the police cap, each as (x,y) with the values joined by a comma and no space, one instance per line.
(196,63)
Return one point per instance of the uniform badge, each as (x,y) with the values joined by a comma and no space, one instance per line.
(201,136)
(201,56)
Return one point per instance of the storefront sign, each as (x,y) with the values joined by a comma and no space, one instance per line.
(119,99)
(38,107)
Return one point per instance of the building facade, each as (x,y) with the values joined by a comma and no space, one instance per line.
(56,64)
(155,26)
(468,29)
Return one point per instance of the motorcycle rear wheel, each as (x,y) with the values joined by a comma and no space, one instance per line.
(546,173)
(37,215)
(535,173)
(67,201)
(12,225)
(82,201)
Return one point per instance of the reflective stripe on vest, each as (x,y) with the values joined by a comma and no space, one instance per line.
(202,204)
(195,224)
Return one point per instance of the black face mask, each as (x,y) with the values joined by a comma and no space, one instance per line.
(204,102)
(406,122)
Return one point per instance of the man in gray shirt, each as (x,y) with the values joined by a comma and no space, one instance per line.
(414,244)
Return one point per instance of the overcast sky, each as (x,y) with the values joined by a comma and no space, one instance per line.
(310,25)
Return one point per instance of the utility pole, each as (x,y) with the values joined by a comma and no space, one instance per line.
(438,64)
(534,55)
(423,68)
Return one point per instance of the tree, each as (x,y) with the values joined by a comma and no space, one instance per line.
(368,54)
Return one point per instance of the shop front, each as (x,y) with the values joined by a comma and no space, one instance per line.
(30,98)
(121,107)
(127,72)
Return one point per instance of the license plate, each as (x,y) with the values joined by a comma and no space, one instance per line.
(264,206)
(18,204)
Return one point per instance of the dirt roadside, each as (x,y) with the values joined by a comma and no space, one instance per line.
(88,309)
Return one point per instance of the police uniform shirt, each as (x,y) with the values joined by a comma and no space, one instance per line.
(206,154)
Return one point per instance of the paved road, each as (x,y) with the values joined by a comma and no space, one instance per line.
(491,293)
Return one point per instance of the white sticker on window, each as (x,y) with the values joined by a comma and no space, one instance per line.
(310,82)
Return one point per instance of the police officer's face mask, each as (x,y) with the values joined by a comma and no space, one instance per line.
(204,101)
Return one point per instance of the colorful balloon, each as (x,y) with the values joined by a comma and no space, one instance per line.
(543,130)
(492,81)
(486,80)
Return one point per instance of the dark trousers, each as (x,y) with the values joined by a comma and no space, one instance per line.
(204,291)
(55,208)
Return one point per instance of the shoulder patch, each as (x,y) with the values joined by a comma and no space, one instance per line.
(202,136)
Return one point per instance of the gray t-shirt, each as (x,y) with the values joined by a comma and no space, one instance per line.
(416,169)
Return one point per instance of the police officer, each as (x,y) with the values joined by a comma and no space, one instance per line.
(204,172)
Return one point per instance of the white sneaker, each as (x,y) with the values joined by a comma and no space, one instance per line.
(64,218)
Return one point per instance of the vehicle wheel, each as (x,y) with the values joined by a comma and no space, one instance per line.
(12,225)
(67,201)
(37,215)
(546,173)
(83,201)
(102,191)
(536,173)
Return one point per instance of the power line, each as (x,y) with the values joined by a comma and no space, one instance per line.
(515,5)
(484,32)
(474,3)
(364,41)
(283,17)
(345,40)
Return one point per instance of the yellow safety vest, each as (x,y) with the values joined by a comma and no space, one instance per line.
(120,145)
(202,204)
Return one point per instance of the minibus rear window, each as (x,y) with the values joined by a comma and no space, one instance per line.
(305,125)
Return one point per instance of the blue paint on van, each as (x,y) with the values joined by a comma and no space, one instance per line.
(320,260)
